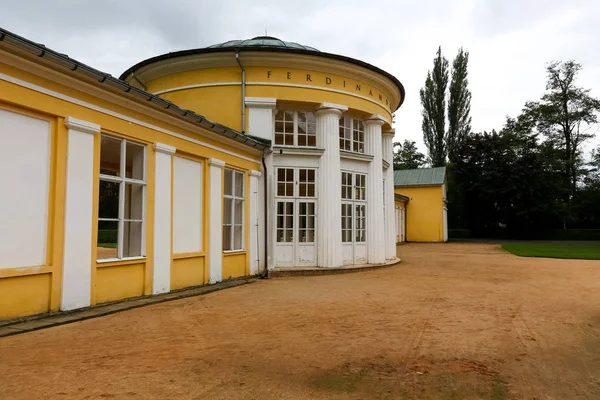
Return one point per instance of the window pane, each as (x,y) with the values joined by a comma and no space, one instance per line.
(239,211)
(289,235)
(237,238)
(227,238)
(279,126)
(289,116)
(134,161)
(289,140)
(108,237)
(108,204)
(278,139)
(132,239)
(302,190)
(289,127)
(239,184)
(281,189)
(110,156)
(289,174)
(227,205)
(289,208)
(302,140)
(311,190)
(312,141)
(134,201)
(228,182)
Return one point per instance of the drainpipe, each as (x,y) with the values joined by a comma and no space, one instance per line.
(237,58)
(265,273)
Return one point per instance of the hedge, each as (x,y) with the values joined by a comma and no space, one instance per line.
(107,236)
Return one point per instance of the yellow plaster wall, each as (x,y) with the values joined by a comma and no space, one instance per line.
(234,265)
(119,282)
(223,103)
(25,295)
(187,272)
(424,213)
(39,288)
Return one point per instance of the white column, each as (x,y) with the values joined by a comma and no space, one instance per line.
(329,215)
(376,249)
(161,276)
(255,223)
(77,257)
(215,221)
(390,231)
(260,116)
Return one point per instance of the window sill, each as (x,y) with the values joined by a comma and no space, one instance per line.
(350,155)
(114,262)
(227,253)
(300,151)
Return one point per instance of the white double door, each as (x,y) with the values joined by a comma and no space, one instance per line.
(296,218)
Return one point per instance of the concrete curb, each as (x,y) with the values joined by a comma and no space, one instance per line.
(48,320)
(280,273)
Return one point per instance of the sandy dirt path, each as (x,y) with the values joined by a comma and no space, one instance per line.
(452,321)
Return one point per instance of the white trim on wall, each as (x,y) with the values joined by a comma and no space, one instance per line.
(314,87)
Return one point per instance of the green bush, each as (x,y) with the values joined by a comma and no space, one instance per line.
(459,233)
(573,234)
(107,235)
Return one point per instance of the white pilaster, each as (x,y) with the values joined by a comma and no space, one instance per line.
(390,231)
(329,236)
(260,116)
(215,221)
(161,276)
(77,256)
(376,249)
(255,223)
(268,178)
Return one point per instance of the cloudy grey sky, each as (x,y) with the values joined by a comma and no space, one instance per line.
(509,41)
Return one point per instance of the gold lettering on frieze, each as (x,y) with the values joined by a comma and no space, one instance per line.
(329,81)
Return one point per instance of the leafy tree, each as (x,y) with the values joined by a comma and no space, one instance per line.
(433,101)
(406,155)
(459,104)
(565,115)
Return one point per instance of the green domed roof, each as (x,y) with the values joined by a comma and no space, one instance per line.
(261,41)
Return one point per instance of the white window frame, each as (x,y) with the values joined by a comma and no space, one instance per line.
(347,127)
(122,181)
(295,198)
(358,198)
(295,132)
(233,197)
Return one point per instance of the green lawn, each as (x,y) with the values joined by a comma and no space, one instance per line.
(108,245)
(571,251)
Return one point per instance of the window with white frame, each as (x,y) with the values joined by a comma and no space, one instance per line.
(296,191)
(352,134)
(354,189)
(295,128)
(122,199)
(233,210)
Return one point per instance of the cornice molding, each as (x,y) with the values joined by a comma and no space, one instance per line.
(349,155)
(81,125)
(164,148)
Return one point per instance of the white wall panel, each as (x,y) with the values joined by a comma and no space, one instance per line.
(187,206)
(24,176)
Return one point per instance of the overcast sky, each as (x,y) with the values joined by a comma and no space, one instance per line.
(509,41)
